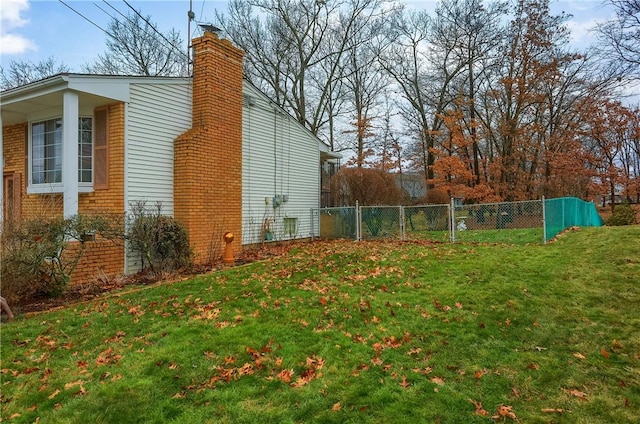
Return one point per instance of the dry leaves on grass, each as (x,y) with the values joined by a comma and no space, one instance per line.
(504,412)
(479,409)
(576,393)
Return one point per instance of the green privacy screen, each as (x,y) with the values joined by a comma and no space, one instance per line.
(566,212)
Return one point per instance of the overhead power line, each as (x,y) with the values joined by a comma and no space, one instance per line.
(87,19)
(178,49)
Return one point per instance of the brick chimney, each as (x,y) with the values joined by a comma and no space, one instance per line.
(208,157)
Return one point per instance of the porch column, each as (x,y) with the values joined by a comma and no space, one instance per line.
(70,152)
(2,175)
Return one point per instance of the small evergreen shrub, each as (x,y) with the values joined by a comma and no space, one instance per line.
(623,214)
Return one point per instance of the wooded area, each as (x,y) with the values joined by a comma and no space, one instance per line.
(485,100)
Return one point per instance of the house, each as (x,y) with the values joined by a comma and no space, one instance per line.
(215,151)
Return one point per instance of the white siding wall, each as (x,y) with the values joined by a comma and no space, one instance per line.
(157,114)
(279,157)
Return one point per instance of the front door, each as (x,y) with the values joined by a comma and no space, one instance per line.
(12,191)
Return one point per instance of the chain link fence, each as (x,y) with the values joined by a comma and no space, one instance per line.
(428,222)
(511,222)
(507,222)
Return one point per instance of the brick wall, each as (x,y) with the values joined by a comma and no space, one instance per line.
(102,257)
(208,157)
(106,258)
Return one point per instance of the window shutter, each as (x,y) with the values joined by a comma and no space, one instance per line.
(27,154)
(101,149)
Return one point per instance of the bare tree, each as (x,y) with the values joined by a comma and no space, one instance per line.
(23,72)
(406,61)
(135,46)
(619,39)
(294,50)
(364,82)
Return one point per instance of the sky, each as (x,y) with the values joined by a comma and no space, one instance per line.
(34,30)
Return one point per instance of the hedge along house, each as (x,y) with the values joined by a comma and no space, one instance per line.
(213,149)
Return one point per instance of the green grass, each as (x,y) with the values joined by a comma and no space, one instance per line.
(350,332)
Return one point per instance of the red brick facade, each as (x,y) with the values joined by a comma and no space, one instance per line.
(208,157)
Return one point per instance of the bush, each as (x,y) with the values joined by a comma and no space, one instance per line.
(39,255)
(368,186)
(623,214)
(161,241)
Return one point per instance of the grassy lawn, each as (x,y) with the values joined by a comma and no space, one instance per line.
(371,332)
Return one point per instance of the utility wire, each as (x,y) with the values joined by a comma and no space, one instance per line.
(178,49)
(150,25)
(87,19)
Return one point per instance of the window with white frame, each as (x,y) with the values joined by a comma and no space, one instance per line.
(46,151)
(85,151)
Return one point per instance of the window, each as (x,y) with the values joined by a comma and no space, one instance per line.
(85,151)
(46,151)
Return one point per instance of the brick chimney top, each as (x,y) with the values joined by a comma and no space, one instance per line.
(217,76)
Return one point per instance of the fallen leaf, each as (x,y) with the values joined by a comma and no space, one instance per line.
(246,369)
(425,371)
(604,353)
(552,410)
(404,383)
(285,375)
(479,409)
(579,355)
(54,394)
(336,406)
(414,351)
(438,380)
(577,393)
(516,392)
(504,412)
(73,384)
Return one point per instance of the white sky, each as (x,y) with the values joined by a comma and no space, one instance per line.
(33,30)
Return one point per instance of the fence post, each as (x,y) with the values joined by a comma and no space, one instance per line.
(358,221)
(544,221)
(452,220)
(402,224)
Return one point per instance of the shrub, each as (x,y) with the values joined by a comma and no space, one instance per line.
(161,241)
(623,214)
(368,186)
(39,255)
